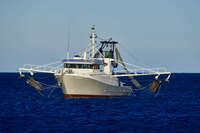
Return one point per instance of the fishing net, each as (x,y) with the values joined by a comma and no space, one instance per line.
(155,85)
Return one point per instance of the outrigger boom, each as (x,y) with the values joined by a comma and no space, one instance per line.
(142,74)
(34,68)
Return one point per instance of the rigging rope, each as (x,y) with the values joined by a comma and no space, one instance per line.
(39,86)
(135,82)
(127,51)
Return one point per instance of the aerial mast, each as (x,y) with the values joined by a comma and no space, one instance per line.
(93,37)
(68,42)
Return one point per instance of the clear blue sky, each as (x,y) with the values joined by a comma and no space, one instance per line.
(156,32)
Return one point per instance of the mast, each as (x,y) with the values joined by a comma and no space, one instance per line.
(68,42)
(93,37)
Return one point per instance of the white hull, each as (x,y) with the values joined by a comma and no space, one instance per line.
(78,86)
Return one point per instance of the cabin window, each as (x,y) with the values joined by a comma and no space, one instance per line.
(108,54)
(82,66)
(95,66)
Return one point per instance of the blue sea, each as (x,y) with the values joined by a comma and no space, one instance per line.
(175,110)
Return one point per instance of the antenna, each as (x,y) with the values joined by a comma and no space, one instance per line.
(68,42)
(93,37)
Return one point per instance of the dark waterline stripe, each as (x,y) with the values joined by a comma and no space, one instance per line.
(85,96)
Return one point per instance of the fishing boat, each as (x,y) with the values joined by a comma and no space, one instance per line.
(94,72)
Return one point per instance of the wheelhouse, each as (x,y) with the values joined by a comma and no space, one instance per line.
(82,64)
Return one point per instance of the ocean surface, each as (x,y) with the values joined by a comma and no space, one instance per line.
(175,110)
